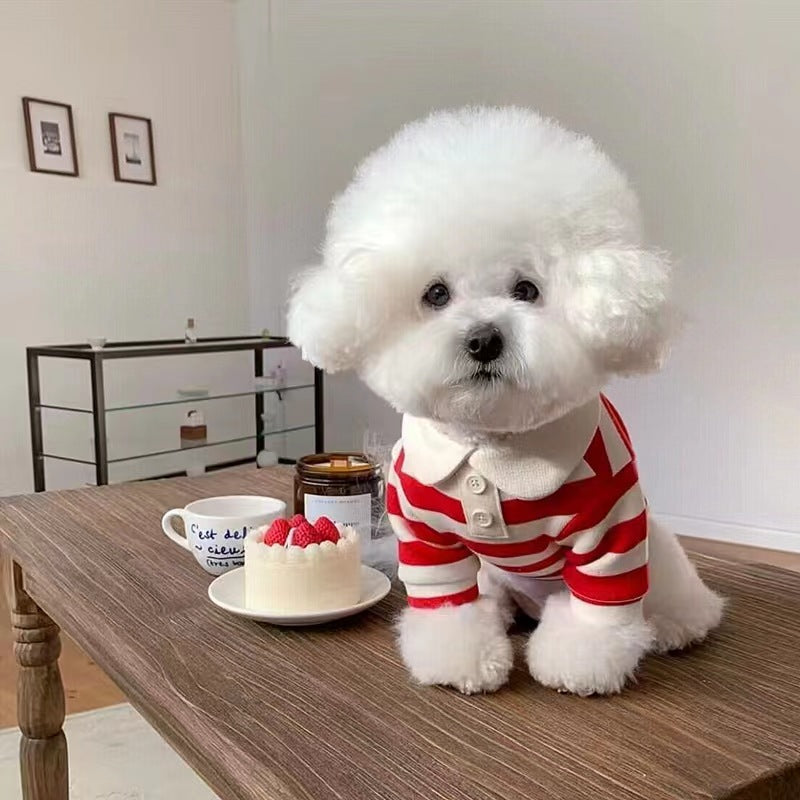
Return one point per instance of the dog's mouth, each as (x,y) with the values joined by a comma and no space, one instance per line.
(486,375)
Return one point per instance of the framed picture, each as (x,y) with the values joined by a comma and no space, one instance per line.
(51,136)
(132,149)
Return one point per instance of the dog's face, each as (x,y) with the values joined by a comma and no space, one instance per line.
(484,269)
(482,346)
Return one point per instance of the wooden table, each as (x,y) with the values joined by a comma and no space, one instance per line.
(262,712)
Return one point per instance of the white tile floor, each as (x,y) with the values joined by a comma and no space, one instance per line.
(107,749)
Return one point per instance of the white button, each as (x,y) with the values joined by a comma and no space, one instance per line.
(477,484)
(482,518)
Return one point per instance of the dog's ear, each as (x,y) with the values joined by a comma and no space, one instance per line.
(620,305)
(321,319)
(330,315)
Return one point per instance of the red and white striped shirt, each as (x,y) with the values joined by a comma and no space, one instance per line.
(559,503)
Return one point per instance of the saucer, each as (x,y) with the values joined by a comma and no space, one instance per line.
(227,591)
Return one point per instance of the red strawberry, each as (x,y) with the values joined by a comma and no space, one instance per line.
(277,532)
(327,530)
(304,535)
(297,520)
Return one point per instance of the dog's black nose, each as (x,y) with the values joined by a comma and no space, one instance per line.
(484,343)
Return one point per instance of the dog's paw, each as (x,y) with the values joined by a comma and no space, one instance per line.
(461,646)
(583,657)
(679,606)
(489,670)
(677,628)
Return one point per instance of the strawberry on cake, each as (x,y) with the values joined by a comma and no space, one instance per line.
(293,566)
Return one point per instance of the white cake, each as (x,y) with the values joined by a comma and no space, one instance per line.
(287,579)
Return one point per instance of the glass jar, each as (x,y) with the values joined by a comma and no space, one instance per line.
(345,487)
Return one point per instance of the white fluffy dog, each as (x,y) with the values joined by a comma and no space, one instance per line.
(484,272)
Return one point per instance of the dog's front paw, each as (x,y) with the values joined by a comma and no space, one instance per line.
(575,655)
(461,646)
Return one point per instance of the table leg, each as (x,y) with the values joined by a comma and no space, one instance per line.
(40,696)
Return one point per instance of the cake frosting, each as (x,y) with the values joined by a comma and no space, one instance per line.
(285,578)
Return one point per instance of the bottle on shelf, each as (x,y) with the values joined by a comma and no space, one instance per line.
(280,376)
(194,431)
(270,415)
(190,335)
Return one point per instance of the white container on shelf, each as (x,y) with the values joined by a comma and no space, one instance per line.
(190,334)
(267,458)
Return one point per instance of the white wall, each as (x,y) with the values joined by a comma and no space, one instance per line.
(697,101)
(87,256)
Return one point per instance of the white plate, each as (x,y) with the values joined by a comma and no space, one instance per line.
(227,591)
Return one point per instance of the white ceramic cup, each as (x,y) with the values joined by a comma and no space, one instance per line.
(217,526)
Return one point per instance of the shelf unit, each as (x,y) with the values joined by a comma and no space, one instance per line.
(146,349)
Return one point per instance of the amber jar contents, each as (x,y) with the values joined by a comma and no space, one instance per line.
(345,487)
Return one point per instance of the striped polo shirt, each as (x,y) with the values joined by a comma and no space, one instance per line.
(560,503)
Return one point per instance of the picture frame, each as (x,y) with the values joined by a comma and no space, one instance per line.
(132,149)
(50,133)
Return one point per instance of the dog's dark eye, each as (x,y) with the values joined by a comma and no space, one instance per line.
(526,291)
(437,295)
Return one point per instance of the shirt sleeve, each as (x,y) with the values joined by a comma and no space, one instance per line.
(606,565)
(436,568)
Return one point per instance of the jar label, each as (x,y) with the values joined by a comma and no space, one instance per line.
(354,510)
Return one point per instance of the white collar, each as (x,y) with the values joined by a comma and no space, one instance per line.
(530,465)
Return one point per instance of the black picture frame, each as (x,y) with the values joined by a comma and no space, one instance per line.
(35,166)
(114,120)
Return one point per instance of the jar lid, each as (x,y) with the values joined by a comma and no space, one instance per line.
(336,464)
(194,419)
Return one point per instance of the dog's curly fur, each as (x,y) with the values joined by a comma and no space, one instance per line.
(480,198)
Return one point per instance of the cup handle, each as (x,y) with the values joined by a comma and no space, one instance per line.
(166,525)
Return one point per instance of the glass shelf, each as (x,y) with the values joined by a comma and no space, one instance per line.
(253,437)
(161,347)
(182,400)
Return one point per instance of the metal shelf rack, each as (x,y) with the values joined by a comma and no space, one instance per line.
(146,349)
